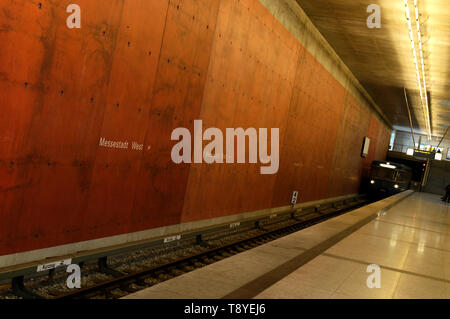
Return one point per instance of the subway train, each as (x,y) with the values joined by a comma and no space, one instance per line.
(388,178)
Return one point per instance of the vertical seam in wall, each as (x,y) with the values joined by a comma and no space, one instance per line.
(107,88)
(150,98)
(338,131)
(213,42)
(300,50)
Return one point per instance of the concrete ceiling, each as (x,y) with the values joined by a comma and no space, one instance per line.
(382,59)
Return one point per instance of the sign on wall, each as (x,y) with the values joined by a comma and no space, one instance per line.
(424,154)
(365,147)
(294,198)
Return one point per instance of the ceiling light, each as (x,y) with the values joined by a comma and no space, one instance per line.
(413,46)
(388,166)
(427,111)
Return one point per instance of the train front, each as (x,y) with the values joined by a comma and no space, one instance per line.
(387,179)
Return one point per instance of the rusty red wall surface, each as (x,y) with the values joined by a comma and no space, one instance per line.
(135,71)
(379,139)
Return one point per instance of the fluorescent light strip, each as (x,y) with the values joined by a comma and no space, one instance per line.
(413,46)
(416,9)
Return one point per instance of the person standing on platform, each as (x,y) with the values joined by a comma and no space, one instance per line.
(446,197)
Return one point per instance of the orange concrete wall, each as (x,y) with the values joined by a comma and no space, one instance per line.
(135,71)
(380,139)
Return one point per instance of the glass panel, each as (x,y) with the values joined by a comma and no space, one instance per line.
(383,173)
(403,176)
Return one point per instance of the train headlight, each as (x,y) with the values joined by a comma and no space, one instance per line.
(372,182)
(395,186)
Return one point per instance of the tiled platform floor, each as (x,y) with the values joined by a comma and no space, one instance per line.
(410,242)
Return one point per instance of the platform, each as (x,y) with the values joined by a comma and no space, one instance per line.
(407,235)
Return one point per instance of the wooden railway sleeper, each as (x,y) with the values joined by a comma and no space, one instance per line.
(294,217)
(258,226)
(20,290)
(201,242)
(104,268)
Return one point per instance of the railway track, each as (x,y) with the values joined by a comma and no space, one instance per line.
(130,283)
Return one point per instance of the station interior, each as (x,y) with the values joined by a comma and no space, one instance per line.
(224,149)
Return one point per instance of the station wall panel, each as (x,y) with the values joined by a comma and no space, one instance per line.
(382,145)
(373,134)
(176,102)
(347,161)
(85,84)
(130,86)
(134,72)
(52,119)
(249,85)
(379,143)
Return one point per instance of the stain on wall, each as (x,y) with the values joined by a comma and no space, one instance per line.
(135,71)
